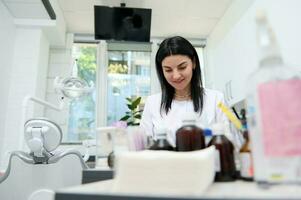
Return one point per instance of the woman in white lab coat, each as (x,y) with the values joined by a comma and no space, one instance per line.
(179,73)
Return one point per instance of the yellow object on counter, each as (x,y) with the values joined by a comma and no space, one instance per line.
(230,115)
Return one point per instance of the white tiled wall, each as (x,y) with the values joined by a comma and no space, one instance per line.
(7,40)
(24,60)
(61,68)
(60,64)
(28,72)
(41,82)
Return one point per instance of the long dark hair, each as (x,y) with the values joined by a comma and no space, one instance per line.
(179,46)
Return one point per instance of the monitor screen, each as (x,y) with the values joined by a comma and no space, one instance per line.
(122,24)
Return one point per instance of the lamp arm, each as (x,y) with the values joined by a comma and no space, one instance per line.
(42,102)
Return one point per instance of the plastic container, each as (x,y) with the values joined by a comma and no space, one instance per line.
(274,104)
(208,135)
(224,156)
(189,137)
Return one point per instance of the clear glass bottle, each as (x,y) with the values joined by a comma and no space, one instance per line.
(224,157)
(246,163)
(161,142)
(273,94)
(245,154)
(189,137)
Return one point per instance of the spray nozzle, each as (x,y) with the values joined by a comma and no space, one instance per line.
(261,16)
(266,38)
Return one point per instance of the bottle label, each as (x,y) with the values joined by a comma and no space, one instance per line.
(246,168)
(280,106)
(217,161)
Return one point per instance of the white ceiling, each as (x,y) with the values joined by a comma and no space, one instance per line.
(189,18)
(29,9)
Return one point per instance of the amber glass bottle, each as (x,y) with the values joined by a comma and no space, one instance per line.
(224,156)
(189,137)
(111,159)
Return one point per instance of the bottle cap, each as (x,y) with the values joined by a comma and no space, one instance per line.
(207,132)
(218,129)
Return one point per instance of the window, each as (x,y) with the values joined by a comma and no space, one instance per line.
(81,123)
(128,76)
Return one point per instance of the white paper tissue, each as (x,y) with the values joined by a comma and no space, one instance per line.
(164,173)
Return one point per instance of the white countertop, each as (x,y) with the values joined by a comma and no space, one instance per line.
(237,189)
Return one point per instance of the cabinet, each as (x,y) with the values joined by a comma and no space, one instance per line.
(94,175)
(234,91)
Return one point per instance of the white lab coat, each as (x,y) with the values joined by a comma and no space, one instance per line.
(152,118)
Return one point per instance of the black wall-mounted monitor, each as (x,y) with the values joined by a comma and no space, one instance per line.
(122,23)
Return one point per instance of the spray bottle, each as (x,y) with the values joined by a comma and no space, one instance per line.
(274,104)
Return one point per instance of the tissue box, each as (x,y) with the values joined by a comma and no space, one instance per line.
(164,173)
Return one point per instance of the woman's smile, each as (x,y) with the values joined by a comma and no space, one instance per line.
(178,81)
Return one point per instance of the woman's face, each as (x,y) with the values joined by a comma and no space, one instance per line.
(177,70)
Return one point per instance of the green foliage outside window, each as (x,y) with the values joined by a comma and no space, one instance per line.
(87,63)
(82,110)
(117,68)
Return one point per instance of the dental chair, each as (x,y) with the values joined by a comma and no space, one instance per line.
(36,175)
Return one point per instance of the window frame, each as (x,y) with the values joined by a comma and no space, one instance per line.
(102,76)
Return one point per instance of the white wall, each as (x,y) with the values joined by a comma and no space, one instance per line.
(231,17)
(7,41)
(42,67)
(28,72)
(231,48)
(24,54)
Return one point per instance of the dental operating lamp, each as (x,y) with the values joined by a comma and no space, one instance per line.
(72,87)
(43,135)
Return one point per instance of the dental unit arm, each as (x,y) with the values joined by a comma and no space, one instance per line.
(27,99)
(42,136)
